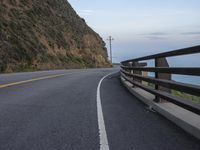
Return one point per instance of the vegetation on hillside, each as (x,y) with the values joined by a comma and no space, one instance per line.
(46,34)
(181,94)
(186,96)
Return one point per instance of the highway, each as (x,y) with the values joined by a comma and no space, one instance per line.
(81,110)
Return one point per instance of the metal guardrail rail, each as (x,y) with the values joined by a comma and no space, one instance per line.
(132,71)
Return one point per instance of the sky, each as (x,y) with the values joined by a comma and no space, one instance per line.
(144,27)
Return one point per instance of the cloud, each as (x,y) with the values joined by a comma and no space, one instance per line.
(86,12)
(155,33)
(155,37)
(190,33)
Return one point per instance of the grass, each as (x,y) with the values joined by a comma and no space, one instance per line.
(186,96)
(181,94)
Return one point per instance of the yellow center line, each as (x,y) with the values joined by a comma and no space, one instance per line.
(31,80)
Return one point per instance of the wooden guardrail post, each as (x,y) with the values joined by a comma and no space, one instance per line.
(137,64)
(161,62)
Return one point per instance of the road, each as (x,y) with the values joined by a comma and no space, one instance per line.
(60,110)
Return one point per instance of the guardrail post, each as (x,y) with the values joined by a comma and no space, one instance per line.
(137,64)
(130,65)
(131,71)
(161,62)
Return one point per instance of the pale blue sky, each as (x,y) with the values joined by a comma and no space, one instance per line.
(143,27)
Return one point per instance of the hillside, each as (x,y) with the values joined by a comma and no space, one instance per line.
(46,34)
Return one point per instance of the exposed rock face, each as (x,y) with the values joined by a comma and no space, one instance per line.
(46,34)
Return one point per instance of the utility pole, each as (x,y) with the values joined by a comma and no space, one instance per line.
(110,43)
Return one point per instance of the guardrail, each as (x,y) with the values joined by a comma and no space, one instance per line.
(133,71)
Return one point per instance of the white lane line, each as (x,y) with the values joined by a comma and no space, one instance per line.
(102,130)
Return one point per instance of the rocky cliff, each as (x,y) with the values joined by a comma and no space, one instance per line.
(46,34)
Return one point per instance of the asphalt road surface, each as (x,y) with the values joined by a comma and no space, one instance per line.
(59,110)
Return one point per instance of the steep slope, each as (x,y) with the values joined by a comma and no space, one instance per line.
(46,34)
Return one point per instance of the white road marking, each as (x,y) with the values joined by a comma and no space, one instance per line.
(102,130)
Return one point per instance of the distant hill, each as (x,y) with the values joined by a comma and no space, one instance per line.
(46,34)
